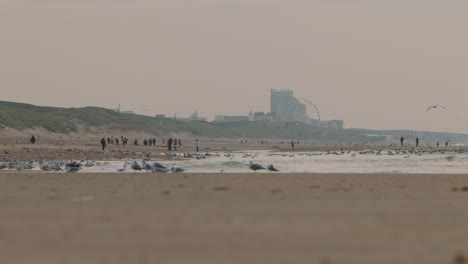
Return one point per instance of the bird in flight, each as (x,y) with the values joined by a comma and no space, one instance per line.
(435,107)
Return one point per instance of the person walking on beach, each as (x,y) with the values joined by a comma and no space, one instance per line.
(417,141)
(196,144)
(446,143)
(292,145)
(103,143)
(169,144)
(402,139)
(32,140)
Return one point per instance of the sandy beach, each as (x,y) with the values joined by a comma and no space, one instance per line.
(232,218)
(233,132)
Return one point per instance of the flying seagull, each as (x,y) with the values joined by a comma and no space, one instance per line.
(435,107)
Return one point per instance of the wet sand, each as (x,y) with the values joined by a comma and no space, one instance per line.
(87,150)
(232,218)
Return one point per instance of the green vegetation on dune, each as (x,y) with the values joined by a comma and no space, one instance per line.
(66,120)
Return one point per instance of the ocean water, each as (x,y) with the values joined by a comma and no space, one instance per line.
(310,162)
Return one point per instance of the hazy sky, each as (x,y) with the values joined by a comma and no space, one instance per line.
(372,63)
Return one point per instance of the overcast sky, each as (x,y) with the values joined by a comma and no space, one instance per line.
(372,63)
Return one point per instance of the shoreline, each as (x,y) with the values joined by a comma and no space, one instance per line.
(93,151)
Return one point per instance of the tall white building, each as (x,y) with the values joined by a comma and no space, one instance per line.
(286,107)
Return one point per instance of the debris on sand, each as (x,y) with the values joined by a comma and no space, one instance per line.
(462,189)
(460,258)
(277,191)
(450,158)
(221,188)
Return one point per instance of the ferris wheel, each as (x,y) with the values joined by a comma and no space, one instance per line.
(311,108)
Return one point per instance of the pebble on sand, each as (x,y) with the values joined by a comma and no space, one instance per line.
(460,258)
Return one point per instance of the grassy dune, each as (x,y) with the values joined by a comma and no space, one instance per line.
(67,120)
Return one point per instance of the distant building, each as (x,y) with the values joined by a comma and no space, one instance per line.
(285,107)
(223,118)
(193,117)
(261,116)
(333,124)
(336,124)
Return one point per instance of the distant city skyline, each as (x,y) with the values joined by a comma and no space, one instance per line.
(373,64)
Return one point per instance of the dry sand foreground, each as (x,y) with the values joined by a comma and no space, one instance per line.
(232,218)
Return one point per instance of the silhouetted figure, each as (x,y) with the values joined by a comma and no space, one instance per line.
(402,140)
(180,142)
(154,141)
(446,143)
(108,140)
(32,140)
(135,142)
(196,144)
(117,141)
(417,141)
(292,145)
(437,143)
(103,144)
(169,144)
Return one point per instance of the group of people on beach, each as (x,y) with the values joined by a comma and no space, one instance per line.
(172,143)
(112,140)
(402,141)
